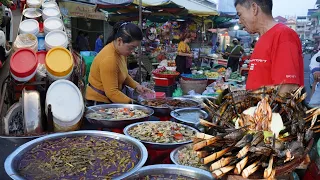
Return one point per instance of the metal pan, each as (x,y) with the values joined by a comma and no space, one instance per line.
(165,111)
(12,160)
(178,115)
(174,156)
(155,145)
(171,169)
(119,123)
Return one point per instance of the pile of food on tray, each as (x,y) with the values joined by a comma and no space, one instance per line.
(169,102)
(260,133)
(117,113)
(80,157)
(162,132)
(188,157)
(212,75)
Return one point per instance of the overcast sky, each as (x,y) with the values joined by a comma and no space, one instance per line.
(292,7)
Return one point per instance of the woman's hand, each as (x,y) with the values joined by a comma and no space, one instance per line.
(190,55)
(143,90)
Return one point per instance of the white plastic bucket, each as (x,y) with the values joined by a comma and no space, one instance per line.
(29,26)
(67,105)
(50,12)
(34,3)
(55,78)
(24,79)
(52,24)
(56,38)
(50,4)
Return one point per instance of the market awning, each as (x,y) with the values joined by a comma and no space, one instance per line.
(195,8)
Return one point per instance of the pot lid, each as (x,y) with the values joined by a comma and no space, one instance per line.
(56,38)
(59,61)
(65,99)
(29,26)
(51,11)
(23,63)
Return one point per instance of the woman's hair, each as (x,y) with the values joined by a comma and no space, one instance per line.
(185,36)
(127,31)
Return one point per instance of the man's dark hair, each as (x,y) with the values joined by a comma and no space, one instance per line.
(265,5)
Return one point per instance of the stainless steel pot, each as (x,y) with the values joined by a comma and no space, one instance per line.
(171,169)
(11,163)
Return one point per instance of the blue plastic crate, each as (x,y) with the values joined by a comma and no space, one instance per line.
(88,53)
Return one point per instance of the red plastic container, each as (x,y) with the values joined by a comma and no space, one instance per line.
(41,57)
(160,95)
(164,81)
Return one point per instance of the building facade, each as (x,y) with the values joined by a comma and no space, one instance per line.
(303,27)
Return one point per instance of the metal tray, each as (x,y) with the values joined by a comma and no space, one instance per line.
(155,145)
(174,155)
(195,122)
(165,111)
(171,169)
(31,110)
(119,123)
(32,13)
(11,162)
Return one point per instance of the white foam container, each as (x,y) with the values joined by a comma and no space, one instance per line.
(52,24)
(29,26)
(50,4)
(50,12)
(55,78)
(66,104)
(56,38)
(34,3)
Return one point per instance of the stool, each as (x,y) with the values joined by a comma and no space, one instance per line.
(22,4)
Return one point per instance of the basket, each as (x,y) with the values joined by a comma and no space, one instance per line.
(198,86)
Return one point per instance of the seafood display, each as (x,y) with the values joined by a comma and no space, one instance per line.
(87,157)
(169,102)
(257,133)
(117,113)
(161,132)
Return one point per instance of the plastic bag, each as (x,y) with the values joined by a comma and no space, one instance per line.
(315,99)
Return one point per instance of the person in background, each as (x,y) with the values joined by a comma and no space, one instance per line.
(216,48)
(81,41)
(314,67)
(99,43)
(109,72)
(234,53)
(4,49)
(277,56)
(86,37)
(184,57)
(5,20)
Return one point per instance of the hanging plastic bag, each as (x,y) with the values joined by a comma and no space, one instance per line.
(315,99)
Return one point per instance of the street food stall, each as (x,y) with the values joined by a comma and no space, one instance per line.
(218,131)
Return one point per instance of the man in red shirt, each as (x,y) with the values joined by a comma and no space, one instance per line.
(277,56)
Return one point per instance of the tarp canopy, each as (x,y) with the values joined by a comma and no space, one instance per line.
(195,8)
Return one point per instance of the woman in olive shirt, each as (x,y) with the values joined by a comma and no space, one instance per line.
(109,73)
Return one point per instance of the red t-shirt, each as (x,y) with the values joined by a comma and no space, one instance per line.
(276,59)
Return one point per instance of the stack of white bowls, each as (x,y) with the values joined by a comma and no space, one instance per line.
(52,24)
(49,4)
(34,3)
(29,26)
(56,38)
(50,12)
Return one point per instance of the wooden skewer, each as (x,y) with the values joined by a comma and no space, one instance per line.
(196,140)
(317,131)
(203,136)
(217,174)
(215,155)
(250,169)
(244,151)
(316,127)
(240,165)
(221,163)
(206,123)
(205,143)
(268,171)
